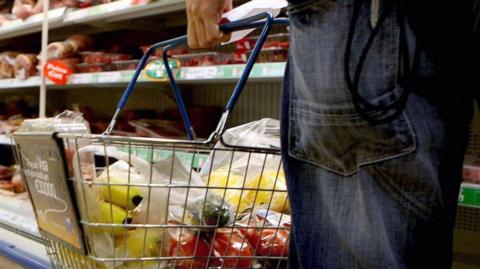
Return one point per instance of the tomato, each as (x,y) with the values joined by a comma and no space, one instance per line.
(273,242)
(252,235)
(232,244)
(189,246)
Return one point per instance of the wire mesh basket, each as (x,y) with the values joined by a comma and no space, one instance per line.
(160,203)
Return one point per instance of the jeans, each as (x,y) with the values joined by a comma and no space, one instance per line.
(368,195)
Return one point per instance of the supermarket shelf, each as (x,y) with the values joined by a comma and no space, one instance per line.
(31,25)
(17,216)
(19,257)
(13,83)
(122,10)
(106,13)
(469,195)
(221,73)
(5,140)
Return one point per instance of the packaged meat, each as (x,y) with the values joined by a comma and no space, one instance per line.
(273,54)
(6,18)
(126,65)
(54,4)
(93,57)
(69,47)
(25,65)
(471,173)
(89,3)
(93,68)
(23,9)
(80,42)
(7,64)
(159,52)
(204,59)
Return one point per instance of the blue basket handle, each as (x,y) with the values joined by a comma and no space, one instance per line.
(264,20)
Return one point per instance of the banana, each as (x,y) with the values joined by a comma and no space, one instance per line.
(111,213)
(128,197)
(142,243)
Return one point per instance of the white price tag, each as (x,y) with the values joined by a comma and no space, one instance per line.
(81,78)
(202,72)
(109,77)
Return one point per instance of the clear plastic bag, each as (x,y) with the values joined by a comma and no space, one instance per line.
(249,180)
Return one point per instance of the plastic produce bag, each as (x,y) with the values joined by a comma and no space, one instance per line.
(249,180)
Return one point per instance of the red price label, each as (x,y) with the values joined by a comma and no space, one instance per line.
(57,71)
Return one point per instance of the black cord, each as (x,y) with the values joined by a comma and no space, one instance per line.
(377,114)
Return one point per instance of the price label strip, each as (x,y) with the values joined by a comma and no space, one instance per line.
(45,173)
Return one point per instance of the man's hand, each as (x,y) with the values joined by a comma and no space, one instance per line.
(203,19)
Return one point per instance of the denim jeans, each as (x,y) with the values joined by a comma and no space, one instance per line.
(368,195)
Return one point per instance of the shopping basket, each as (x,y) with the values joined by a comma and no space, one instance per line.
(165,203)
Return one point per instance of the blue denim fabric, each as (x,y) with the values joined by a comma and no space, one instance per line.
(363,195)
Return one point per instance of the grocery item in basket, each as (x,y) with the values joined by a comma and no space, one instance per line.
(25,65)
(192,246)
(267,231)
(272,191)
(212,211)
(140,243)
(119,191)
(111,213)
(228,242)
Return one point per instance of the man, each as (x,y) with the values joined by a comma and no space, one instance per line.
(375,116)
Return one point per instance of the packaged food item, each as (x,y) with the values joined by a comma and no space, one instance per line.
(112,57)
(23,9)
(280,40)
(272,54)
(126,65)
(267,231)
(25,66)
(204,59)
(231,242)
(93,68)
(68,48)
(190,245)
(471,173)
(93,57)
(7,64)
(159,52)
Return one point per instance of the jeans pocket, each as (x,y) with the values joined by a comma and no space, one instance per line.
(324,127)
(340,140)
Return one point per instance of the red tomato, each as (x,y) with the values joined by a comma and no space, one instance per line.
(189,246)
(232,244)
(252,235)
(273,243)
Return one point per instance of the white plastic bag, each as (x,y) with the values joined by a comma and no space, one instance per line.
(228,171)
